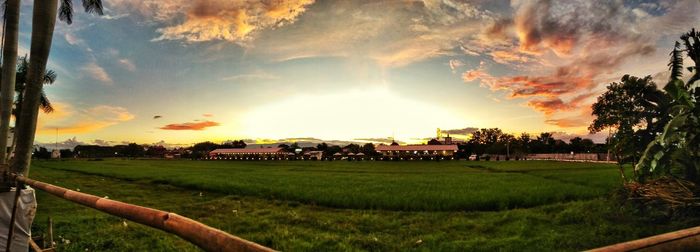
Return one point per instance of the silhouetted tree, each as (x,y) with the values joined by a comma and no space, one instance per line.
(434,142)
(42,153)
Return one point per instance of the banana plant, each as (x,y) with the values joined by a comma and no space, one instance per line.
(678,146)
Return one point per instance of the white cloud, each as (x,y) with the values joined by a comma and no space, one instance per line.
(127,64)
(96,72)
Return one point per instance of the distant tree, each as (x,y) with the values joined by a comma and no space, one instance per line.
(236,144)
(322,146)
(332,149)
(204,147)
(368,149)
(133,150)
(285,147)
(294,147)
(42,153)
(156,151)
(434,142)
(354,148)
(66,153)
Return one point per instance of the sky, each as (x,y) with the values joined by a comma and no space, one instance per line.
(183,71)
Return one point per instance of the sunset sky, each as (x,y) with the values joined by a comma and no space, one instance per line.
(182,71)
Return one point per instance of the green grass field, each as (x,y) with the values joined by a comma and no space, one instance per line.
(350,206)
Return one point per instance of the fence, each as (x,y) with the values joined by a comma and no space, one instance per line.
(206,237)
(681,240)
(573,157)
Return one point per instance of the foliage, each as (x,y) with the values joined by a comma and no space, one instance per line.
(632,111)
(678,145)
(42,153)
(66,153)
(21,83)
(434,142)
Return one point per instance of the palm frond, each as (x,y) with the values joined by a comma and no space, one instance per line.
(676,63)
(45,104)
(65,12)
(49,77)
(93,6)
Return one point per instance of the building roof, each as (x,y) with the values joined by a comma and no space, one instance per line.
(451,147)
(252,151)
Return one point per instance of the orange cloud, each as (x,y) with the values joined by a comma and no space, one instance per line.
(508,57)
(549,106)
(67,119)
(190,125)
(234,21)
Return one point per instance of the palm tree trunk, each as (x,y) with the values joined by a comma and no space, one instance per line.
(9,56)
(43,22)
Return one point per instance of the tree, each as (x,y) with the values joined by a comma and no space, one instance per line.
(9,56)
(354,148)
(285,147)
(322,146)
(633,110)
(368,149)
(678,145)
(434,142)
(20,85)
(43,23)
(133,150)
(66,153)
(156,151)
(42,153)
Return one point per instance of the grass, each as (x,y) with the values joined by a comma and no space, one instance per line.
(532,206)
(413,186)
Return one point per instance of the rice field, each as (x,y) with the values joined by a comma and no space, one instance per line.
(351,206)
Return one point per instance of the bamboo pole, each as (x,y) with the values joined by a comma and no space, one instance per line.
(681,240)
(207,238)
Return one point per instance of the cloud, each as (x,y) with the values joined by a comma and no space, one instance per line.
(169,145)
(127,64)
(565,136)
(464,131)
(96,72)
(190,125)
(251,76)
(207,115)
(234,21)
(69,120)
(386,140)
(390,33)
(455,64)
(73,40)
(548,106)
(69,143)
(101,142)
(569,49)
(157,117)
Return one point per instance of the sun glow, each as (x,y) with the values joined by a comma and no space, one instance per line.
(349,115)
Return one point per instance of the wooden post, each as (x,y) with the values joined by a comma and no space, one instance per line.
(49,233)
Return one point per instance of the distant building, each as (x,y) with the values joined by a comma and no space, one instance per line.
(250,154)
(313,155)
(55,154)
(417,152)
